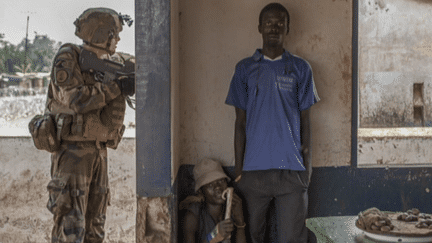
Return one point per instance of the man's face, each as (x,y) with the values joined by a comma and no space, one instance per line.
(113,44)
(213,191)
(273,28)
(109,45)
(116,38)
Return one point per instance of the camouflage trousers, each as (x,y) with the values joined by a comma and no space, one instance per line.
(79,192)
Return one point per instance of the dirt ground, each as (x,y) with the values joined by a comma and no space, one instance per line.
(24,176)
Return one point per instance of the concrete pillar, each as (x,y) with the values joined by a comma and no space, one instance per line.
(156,204)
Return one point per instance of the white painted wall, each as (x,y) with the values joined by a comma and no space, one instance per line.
(216,34)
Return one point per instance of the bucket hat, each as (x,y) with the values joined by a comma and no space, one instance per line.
(207,171)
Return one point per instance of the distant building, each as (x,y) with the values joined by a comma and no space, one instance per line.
(33,80)
(7,80)
(20,84)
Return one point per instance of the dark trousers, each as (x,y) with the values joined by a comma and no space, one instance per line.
(289,190)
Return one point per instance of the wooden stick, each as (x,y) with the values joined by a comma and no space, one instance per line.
(227,195)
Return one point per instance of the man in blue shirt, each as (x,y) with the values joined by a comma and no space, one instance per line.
(272,92)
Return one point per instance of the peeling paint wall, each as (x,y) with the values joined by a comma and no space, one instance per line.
(394,151)
(395,51)
(24,175)
(387,99)
(216,34)
(153,220)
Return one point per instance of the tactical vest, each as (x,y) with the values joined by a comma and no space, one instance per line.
(103,125)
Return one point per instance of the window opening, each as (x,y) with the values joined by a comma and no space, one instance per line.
(394,83)
(418,105)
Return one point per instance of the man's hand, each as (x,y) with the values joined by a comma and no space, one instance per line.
(226,227)
(305,150)
(238,175)
(126,85)
(308,163)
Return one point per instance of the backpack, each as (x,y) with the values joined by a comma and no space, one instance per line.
(43,131)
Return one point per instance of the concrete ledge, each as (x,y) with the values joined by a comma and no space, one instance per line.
(20,132)
(407,148)
(399,132)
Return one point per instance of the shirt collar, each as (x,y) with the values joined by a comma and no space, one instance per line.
(277,58)
(257,56)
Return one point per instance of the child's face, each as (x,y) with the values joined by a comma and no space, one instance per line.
(213,191)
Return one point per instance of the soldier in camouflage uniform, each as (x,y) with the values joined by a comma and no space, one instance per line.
(89,116)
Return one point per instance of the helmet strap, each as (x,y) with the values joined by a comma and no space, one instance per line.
(109,45)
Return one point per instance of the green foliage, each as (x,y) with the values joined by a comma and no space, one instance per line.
(40,53)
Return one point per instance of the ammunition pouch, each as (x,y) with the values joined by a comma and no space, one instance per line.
(44,133)
(69,126)
(79,127)
(63,124)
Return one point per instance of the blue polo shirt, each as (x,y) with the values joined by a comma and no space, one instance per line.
(273,93)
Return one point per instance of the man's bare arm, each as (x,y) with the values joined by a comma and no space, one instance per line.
(305,141)
(239,140)
(237,216)
(190,227)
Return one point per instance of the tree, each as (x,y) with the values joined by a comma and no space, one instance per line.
(22,69)
(9,56)
(40,54)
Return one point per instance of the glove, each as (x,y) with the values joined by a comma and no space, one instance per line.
(126,85)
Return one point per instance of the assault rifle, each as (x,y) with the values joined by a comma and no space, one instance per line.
(106,70)
(111,70)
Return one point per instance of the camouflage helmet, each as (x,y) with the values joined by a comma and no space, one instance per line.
(97,25)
